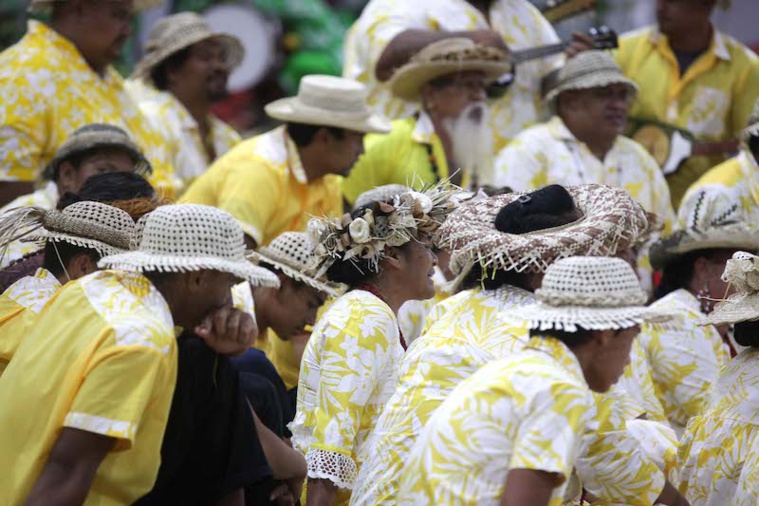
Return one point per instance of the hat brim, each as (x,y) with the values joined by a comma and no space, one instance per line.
(598,80)
(233,50)
(102,248)
(540,316)
(291,110)
(736,309)
(408,81)
(666,251)
(140,261)
(296,274)
(142,165)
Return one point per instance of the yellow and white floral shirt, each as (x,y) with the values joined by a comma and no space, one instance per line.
(181,131)
(348,372)
(45,197)
(19,306)
(528,411)
(719,461)
(101,357)
(48,92)
(685,359)
(520,24)
(638,383)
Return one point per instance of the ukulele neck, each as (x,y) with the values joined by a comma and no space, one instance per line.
(536,53)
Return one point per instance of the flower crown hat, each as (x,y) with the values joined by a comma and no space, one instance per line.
(380,224)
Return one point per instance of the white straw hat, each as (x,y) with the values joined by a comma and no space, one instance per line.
(742,273)
(179,31)
(595,293)
(445,57)
(93,225)
(380,194)
(329,101)
(292,253)
(45,6)
(589,69)
(190,237)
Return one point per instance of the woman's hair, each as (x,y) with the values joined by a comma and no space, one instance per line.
(109,187)
(678,273)
(160,73)
(747,333)
(571,339)
(545,208)
(59,253)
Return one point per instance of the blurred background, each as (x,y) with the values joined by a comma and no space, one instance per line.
(287,39)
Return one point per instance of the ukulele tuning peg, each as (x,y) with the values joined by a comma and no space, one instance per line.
(593,32)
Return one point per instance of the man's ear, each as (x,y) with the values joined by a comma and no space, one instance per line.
(81,265)
(67,176)
(392,257)
(194,281)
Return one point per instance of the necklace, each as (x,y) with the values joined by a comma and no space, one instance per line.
(369,288)
(433,162)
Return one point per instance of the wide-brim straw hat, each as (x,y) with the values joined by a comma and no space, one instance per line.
(444,57)
(594,293)
(179,31)
(589,69)
(190,237)
(329,101)
(611,221)
(92,136)
(292,253)
(742,273)
(45,6)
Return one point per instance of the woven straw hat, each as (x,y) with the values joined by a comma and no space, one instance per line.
(447,56)
(329,101)
(45,6)
(589,69)
(741,272)
(179,31)
(380,194)
(96,135)
(708,227)
(612,221)
(595,293)
(190,237)
(292,253)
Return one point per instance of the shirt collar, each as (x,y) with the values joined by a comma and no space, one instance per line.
(717,45)
(559,352)
(46,276)
(559,130)
(424,129)
(293,159)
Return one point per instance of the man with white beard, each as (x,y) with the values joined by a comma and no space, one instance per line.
(449,136)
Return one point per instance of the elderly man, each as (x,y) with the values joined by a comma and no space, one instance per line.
(450,129)
(390,32)
(277,181)
(183,72)
(695,82)
(57,79)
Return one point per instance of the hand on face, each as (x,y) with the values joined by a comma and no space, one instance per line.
(228,331)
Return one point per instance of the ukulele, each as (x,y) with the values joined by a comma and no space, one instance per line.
(558,10)
(603,38)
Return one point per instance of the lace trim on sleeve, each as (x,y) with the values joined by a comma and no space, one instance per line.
(336,467)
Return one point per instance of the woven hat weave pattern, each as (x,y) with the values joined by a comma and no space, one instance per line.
(595,293)
(612,221)
(742,273)
(382,193)
(179,31)
(292,253)
(191,237)
(589,69)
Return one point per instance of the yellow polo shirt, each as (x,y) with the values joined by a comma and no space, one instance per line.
(48,92)
(101,358)
(712,100)
(262,183)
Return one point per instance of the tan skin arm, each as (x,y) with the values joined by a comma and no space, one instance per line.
(528,487)
(236,498)
(321,492)
(9,190)
(70,469)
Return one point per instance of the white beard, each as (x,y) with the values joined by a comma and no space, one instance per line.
(472,142)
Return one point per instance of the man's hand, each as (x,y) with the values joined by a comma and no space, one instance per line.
(580,42)
(282,496)
(228,331)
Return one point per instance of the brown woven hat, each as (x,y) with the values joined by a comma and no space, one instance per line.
(447,56)
(179,31)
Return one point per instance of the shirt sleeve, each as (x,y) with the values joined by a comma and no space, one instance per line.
(120,387)
(520,166)
(24,128)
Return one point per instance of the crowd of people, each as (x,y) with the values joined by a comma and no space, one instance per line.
(481,267)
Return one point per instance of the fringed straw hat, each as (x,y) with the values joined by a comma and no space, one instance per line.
(380,194)
(45,6)
(292,253)
(190,237)
(742,273)
(179,31)
(589,69)
(444,57)
(594,293)
(611,221)
(93,225)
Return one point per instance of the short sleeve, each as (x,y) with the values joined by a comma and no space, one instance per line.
(24,128)
(119,387)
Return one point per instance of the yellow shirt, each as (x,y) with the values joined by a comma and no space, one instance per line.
(712,100)
(19,306)
(48,92)
(719,461)
(519,23)
(181,131)
(262,183)
(101,358)
(528,411)
(45,197)
(348,372)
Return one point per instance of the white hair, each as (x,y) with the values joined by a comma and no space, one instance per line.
(472,141)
